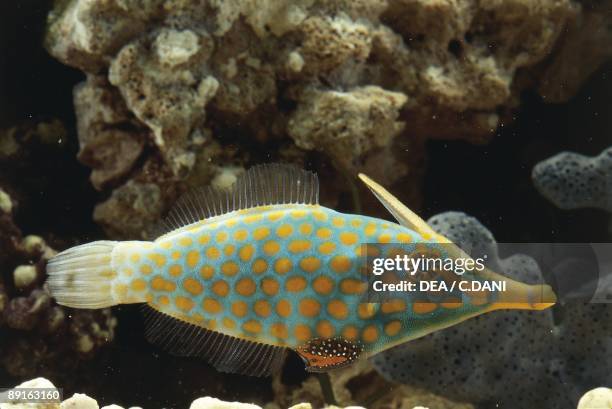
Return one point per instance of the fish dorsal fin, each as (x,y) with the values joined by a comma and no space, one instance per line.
(402,214)
(324,354)
(261,185)
(225,352)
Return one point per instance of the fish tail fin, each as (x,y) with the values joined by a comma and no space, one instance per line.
(521,296)
(83,276)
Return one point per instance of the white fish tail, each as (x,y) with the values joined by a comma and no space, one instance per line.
(82,276)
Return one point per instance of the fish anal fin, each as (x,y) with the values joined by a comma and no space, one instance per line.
(261,185)
(324,354)
(401,212)
(225,352)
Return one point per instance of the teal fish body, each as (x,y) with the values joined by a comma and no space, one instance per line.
(282,275)
(242,276)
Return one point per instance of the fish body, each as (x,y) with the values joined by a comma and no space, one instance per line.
(280,274)
(251,280)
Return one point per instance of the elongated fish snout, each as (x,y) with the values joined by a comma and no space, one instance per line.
(521,296)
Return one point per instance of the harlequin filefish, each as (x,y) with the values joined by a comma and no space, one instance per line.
(243,275)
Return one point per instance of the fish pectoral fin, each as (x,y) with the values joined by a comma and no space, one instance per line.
(324,354)
(225,352)
(401,212)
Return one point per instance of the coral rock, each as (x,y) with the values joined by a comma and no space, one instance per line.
(571,181)
(110,138)
(40,383)
(164,79)
(131,209)
(213,403)
(79,401)
(598,398)
(347,124)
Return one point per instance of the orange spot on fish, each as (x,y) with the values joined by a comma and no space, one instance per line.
(384,238)
(351,286)
(319,215)
(306,228)
(229,249)
(302,332)
(246,287)
(284,230)
(230,268)
(193,286)
(240,235)
(340,264)
(394,305)
(324,233)
(295,284)
(206,272)
(404,238)
(370,229)
(337,309)
(139,284)
(261,233)
(323,285)
(298,246)
(279,330)
(260,266)
(146,269)
(283,308)
(221,288)
(213,253)
(185,241)
(393,328)
(183,303)
(269,286)
(271,247)
(175,270)
(348,238)
(228,323)
(160,284)
(424,307)
(158,259)
(366,310)
(221,237)
(452,303)
(309,307)
(325,329)
(262,308)
(370,334)
(298,214)
(239,308)
(338,221)
(211,305)
(253,218)
(283,265)
(327,248)
(310,264)
(350,332)
(274,216)
(246,252)
(252,326)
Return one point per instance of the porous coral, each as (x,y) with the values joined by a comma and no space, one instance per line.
(506,358)
(571,181)
(169,82)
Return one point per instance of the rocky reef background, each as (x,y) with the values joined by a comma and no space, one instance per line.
(109,110)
